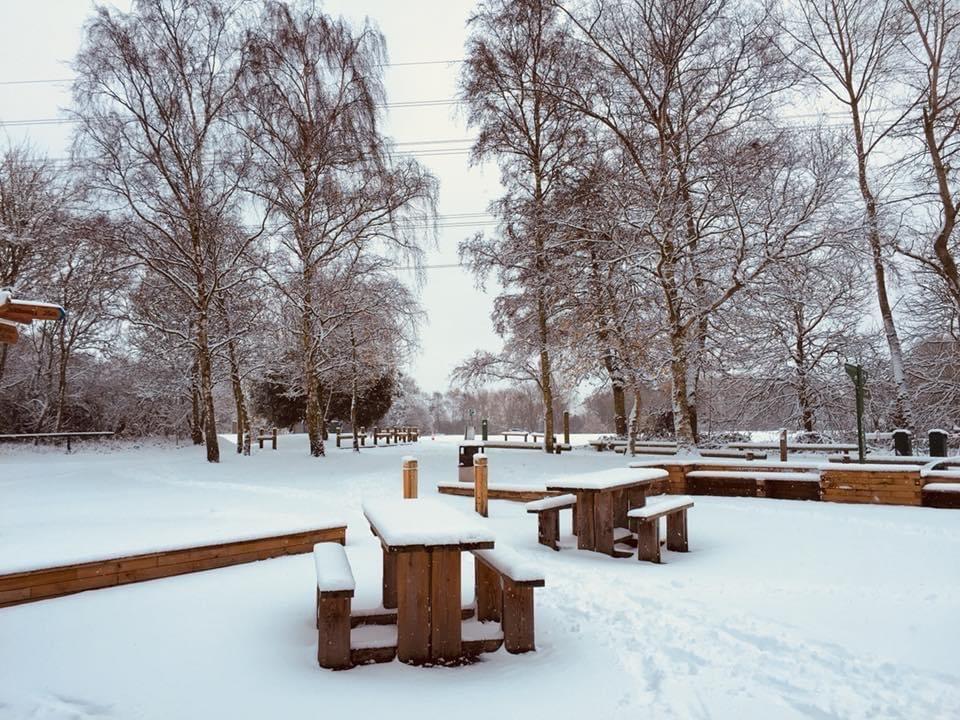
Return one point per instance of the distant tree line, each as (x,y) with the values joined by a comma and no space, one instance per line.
(680,218)
(233,213)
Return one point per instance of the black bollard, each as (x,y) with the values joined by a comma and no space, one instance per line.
(938,443)
(901,442)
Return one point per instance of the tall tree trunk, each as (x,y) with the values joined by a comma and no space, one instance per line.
(243,417)
(311,385)
(196,408)
(903,417)
(206,391)
(683,424)
(62,376)
(353,394)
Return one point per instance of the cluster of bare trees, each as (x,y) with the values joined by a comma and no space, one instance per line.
(710,194)
(251,215)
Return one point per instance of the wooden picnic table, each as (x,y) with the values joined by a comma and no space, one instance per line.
(422,541)
(603,500)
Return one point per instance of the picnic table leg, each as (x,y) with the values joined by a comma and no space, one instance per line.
(413,607)
(603,522)
(586,539)
(389,580)
(445,617)
(677,531)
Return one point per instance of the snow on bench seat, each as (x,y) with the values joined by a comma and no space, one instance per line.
(943,487)
(511,564)
(755,475)
(656,507)
(558,502)
(334,575)
(607,479)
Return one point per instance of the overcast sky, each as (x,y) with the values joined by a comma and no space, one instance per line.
(39,38)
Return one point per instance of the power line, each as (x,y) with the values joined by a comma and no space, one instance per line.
(55,81)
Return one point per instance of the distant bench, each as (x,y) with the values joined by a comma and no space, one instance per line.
(57,436)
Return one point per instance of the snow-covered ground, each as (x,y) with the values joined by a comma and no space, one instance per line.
(781,609)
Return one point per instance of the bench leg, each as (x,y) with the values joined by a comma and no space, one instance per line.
(677,531)
(603,522)
(518,636)
(648,540)
(333,632)
(489,593)
(549,528)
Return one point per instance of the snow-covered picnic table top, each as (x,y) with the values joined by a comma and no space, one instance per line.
(607,479)
(425,522)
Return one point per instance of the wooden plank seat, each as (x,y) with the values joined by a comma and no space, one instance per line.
(645,523)
(548,517)
(505,583)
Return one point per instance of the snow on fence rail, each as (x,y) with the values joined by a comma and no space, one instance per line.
(28,584)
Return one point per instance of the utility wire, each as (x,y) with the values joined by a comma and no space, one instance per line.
(55,81)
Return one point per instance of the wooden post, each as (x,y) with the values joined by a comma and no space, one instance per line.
(409,478)
(566,427)
(376,432)
(783,444)
(480,484)
(274,438)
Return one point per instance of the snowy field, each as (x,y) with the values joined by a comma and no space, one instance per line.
(782,609)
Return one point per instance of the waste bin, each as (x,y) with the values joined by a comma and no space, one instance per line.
(901,442)
(938,443)
(465,465)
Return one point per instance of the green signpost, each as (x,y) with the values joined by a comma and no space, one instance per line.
(859,377)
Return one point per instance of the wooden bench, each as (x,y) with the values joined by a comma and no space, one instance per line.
(262,435)
(505,583)
(362,436)
(548,517)
(515,433)
(335,588)
(646,524)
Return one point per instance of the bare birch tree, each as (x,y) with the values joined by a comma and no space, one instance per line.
(516,54)
(313,102)
(851,49)
(153,91)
